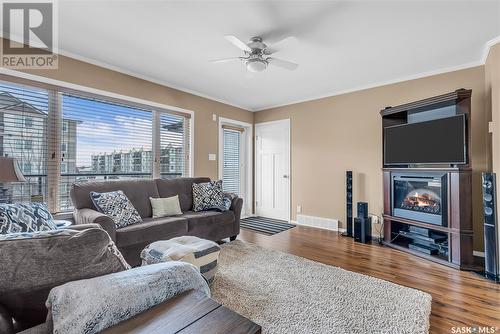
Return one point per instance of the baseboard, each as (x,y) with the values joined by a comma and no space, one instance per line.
(319,222)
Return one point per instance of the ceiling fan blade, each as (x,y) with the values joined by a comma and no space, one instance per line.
(282,63)
(225,60)
(275,47)
(238,43)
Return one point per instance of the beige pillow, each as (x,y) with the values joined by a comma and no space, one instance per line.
(164,207)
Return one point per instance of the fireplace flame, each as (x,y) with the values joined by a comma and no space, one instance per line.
(421,200)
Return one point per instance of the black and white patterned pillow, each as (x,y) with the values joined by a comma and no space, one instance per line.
(25,217)
(116,205)
(208,196)
(228,200)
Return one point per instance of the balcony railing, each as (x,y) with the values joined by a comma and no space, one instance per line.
(67,179)
(36,187)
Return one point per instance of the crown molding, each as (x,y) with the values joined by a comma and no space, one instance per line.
(147,78)
(488,47)
(377,84)
(118,69)
(421,75)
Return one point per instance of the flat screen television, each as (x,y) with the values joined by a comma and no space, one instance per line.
(439,141)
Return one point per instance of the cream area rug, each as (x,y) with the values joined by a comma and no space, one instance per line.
(289,294)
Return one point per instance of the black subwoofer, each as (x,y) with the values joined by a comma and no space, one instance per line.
(362,224)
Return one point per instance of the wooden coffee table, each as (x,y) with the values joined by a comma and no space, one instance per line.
(189,313)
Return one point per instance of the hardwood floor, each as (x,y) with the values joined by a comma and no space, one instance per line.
(458,298)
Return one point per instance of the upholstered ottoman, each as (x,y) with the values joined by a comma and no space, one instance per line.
(201,253)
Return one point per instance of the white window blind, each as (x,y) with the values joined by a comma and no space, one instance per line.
(23,136)
(61,137)
(174,145)
(103,141)
(231,171)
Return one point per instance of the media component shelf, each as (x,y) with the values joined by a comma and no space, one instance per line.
(427,198)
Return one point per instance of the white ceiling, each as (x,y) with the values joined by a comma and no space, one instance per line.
(341,46)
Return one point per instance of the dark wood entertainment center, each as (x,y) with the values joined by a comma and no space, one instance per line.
(447,238)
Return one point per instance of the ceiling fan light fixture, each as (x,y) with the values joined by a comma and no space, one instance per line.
(256,65)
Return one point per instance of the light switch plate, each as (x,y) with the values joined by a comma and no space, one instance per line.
(212,157)
(214,117)
(490,127)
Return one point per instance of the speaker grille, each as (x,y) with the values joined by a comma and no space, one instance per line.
(490,225)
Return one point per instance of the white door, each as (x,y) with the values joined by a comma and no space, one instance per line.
(272,169)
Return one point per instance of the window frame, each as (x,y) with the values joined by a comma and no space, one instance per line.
(55,125)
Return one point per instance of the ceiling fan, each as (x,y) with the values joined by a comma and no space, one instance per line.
(257,54)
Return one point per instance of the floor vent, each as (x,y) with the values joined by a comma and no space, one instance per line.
(326,223)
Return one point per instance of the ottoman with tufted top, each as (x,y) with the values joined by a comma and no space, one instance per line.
(201,253)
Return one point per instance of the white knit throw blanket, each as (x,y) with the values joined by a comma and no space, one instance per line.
(92,305)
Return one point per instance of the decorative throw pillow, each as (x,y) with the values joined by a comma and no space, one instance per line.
(208,196)
(116,205)
(164,207)
(228,200)
(25,217)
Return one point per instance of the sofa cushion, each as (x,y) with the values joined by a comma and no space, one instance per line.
(205,221)
(208,195)
(138,192)
(151,230)
(182,187)
(25,217)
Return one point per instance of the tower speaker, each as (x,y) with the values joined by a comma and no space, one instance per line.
(348,182)
(363,210)
(491,260)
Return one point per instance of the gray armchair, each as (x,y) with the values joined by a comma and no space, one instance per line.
(31,267)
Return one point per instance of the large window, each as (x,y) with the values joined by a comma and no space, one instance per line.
(61,137)
(23,135)
(103,141)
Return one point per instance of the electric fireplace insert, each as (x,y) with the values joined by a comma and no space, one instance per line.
(420,196)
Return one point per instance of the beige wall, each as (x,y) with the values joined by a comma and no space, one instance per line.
(492,79)
(205,129)
(339,133)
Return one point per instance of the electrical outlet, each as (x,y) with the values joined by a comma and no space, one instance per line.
(212,157)
(299,208)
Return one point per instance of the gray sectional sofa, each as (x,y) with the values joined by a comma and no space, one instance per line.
(131,239)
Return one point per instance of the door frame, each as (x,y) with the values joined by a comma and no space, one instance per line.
(257,125)
(247,145)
